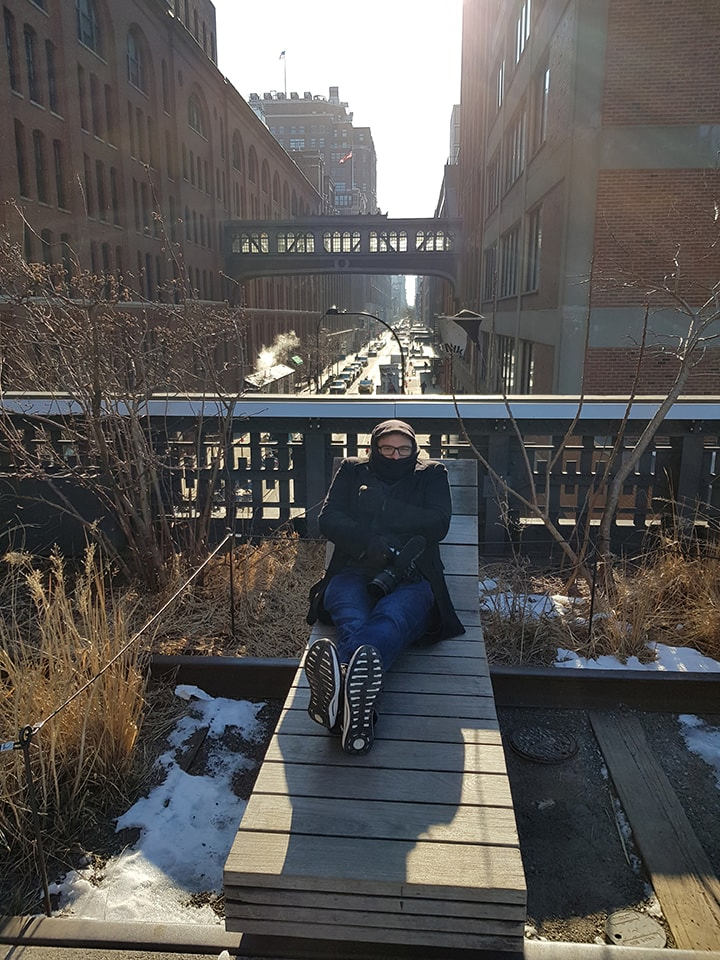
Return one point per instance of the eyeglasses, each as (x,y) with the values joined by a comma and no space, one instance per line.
(387,451)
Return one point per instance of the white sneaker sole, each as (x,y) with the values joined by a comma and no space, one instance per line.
(363,682)
(322,669)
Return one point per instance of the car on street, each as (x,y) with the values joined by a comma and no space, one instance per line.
(338,386)
(366,385)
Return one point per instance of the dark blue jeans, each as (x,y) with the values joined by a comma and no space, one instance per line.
(391,624)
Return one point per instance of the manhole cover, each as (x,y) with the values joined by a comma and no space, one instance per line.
(543,744)
(629,929)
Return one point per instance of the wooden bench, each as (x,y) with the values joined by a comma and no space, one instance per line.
(414,843)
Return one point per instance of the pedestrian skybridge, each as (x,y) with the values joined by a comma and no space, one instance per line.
(350,244)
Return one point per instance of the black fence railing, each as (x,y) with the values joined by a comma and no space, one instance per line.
(276,460)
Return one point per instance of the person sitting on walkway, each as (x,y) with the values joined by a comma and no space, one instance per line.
(384,587)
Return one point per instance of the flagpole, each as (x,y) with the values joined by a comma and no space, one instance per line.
(285,74)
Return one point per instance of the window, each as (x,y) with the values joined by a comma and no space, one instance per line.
(88,29)
(237,151)
(82,98)
(252,165)
(31,64)
(40,165)
(509,263)
(386,241)
(110,124)
(101,194)
(140,132)
(95,112)
(169,156)
(522,30)
(534,246)
(21,159)
(499,84)
(89,206)
(114,196)
(53,91)
(540,108)
(342,242)
(433,240)
(135,66)
(195,115)
(297,143)
(493,182)
(295,243)
(250,243)
(59,162)
(46,246)
(489,277)
(11,49)
(515,148)
(165,87)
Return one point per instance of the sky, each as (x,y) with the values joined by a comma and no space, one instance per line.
(396,63)
(154,879)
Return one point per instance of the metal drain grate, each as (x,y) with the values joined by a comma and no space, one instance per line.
(543,744)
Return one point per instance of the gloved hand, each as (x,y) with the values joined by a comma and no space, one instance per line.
(370,500)
(379,550)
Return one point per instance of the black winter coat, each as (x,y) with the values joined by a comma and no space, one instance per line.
(417,505)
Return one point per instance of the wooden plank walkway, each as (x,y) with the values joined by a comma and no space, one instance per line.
(414,843)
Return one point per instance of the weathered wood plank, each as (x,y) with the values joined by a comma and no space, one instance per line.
(368,783)
(464,592)
(461,530)
(400,727)
(369,920)
(681,873)
(387,867)
(458,559)
(380,820)
(462,472)
(355,901)
(433,683)
(419,704)
(409,936)
(403,755)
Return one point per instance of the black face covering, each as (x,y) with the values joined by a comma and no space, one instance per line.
(387,469)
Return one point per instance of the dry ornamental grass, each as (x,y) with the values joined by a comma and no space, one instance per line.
(93,752)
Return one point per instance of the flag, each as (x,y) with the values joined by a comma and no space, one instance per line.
(348,156)
(282,55)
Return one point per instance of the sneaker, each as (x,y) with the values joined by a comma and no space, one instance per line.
(322,669)
(363,682)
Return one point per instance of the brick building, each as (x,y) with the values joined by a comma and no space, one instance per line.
(124,149)
(588,187)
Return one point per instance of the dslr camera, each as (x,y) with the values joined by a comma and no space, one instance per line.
(399,569)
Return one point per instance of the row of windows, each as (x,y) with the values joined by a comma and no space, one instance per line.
(505,272)
(151,281)
(199,30)
(502,172)
(380,241)
(98,114)
(42,80)
(518,42)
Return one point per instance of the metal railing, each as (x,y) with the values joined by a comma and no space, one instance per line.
(277,462)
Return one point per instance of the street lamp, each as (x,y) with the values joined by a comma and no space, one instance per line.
(334,312)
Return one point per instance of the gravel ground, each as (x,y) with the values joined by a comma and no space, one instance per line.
(580,860)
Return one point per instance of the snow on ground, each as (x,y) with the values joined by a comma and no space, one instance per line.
(187,826)
(188,822)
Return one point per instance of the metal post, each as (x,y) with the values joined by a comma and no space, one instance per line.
(25,740)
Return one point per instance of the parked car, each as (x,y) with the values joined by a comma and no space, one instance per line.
(366,385)
(338,386)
